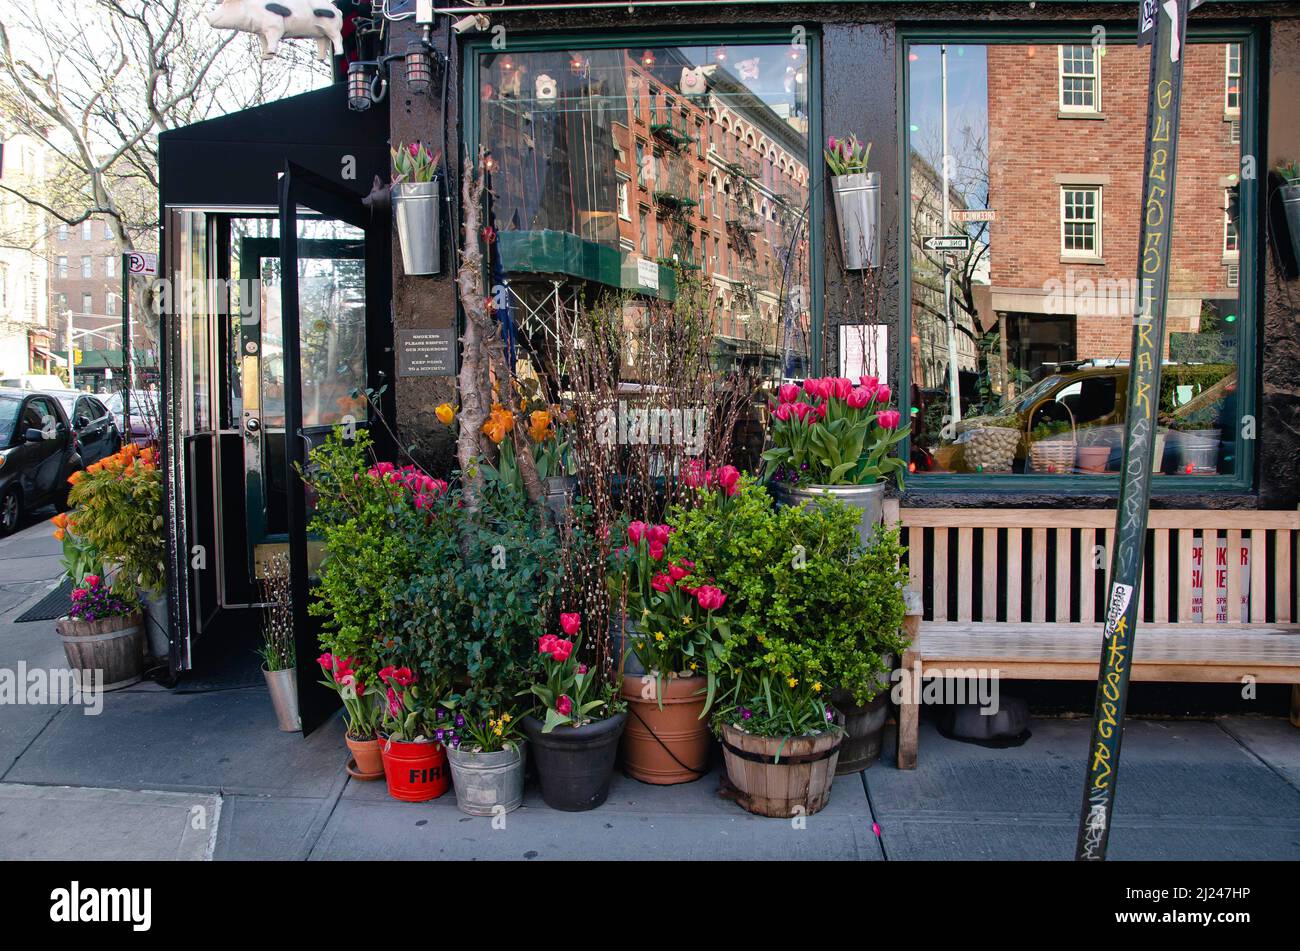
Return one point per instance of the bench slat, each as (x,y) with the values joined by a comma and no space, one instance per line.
(1015,566)
(1259,565)
(965,578)
(1087,576)
(1160,577)
(1233,557)
(1063,568)
(1186,543)
(1038,575)
(1282,549)
(941,575)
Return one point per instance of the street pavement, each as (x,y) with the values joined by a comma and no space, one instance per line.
(201,772)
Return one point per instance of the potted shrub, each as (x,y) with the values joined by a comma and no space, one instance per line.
(361,715)
(831,438)
(1290,191)
(103,636)
(415,195)
(477,617)
(809,603)
(368,515)
(575,741)
(857,201)
(114,529)
(279,666)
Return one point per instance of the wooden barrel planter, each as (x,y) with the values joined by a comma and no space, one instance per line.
(114,646)
(795,781)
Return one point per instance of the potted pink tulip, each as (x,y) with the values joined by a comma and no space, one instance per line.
(415,196)
(857,201)
(834,438)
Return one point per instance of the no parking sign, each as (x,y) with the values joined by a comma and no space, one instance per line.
(141,262)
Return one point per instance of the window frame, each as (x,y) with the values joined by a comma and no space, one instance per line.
(1230,111)
(474,48)
(1241,482)
(1095,108)
(1095,255)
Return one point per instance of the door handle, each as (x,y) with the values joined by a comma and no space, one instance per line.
(253,424)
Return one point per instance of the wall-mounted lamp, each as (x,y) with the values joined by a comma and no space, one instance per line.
(367,82)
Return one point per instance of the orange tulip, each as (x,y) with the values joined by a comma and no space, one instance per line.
(75,477)
(540,428)
(58,534)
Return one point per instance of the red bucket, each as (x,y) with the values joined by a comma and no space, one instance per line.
(416,772)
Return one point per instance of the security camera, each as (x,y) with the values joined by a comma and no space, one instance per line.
(476,21)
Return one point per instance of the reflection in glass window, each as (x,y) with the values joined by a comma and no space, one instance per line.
(1018,350)
(689,126)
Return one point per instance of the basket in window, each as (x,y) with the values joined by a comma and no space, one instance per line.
(989,448)
(1053,445)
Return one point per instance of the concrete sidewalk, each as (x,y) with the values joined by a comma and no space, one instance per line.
(198,773)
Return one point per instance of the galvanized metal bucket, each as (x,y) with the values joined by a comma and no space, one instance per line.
(418,214)
(857,209)
(869,500)
(559,496)
(622,652)
(283,685)
(488,783)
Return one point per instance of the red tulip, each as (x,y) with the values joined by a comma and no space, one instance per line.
(661,582)
(569,623)
(859,398)
(840,388)
(546,643)
(783,411)
(677,573)
(789,393)
(326,660)
(387,673)
(710,598)
(635,531)
(728,477)
(870,382)
(658,533)
(889,418)
(656,550)
(883,393)
(561,650)
(800,410)
(564,705)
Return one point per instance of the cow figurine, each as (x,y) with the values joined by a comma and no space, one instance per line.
(278,19)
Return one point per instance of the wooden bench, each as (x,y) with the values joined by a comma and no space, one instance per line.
(1021,591)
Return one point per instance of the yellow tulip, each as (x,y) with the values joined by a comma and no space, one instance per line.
(445,414)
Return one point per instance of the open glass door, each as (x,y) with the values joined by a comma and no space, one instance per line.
(305,362)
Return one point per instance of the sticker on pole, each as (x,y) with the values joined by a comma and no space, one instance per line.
(1119,598)
(141,262)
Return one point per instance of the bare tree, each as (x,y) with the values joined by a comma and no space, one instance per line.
(97,81)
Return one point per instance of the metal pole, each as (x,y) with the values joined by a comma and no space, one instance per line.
(1166,30)
(126,348)
(72,381)
(954,380)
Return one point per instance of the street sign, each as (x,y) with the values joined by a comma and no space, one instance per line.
(946,242)
(969,215)
(141,262)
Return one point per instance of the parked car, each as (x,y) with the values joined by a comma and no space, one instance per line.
(32,381)
(38,452)
(97,432)
(144,414)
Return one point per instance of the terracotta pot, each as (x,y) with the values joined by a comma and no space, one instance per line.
(1093,458)
(368,757)
(781,776)
(416,771)
(667,744)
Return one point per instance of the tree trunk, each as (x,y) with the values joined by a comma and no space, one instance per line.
(475,396)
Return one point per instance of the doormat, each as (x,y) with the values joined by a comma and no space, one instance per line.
(54,605)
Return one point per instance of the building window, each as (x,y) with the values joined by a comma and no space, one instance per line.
(63,266)
(1019,377)
(640,164)
(1232,80)
(87,266)
(1081,222)
(108,229)
(109,265)
(635,83)
(1080,79)
(645,232)
(63,231)
(87,230)
(110,304)
(624,210)
(87,303)
(1231,244)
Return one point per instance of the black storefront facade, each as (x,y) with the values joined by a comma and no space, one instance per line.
(627,139)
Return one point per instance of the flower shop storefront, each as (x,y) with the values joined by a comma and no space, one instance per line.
(545,465)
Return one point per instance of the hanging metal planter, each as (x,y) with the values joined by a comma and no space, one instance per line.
(1291,203)
(857,209)
(418,212)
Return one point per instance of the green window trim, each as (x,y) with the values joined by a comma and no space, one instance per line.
(474,48)
(1252,40)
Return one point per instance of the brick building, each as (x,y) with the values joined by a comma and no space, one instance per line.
(1066,126)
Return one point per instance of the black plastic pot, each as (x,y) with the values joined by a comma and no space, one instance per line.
(575,764)
(864,727)
(1291,204)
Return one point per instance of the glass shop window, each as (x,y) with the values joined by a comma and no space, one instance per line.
(1018,349)
(560,211)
